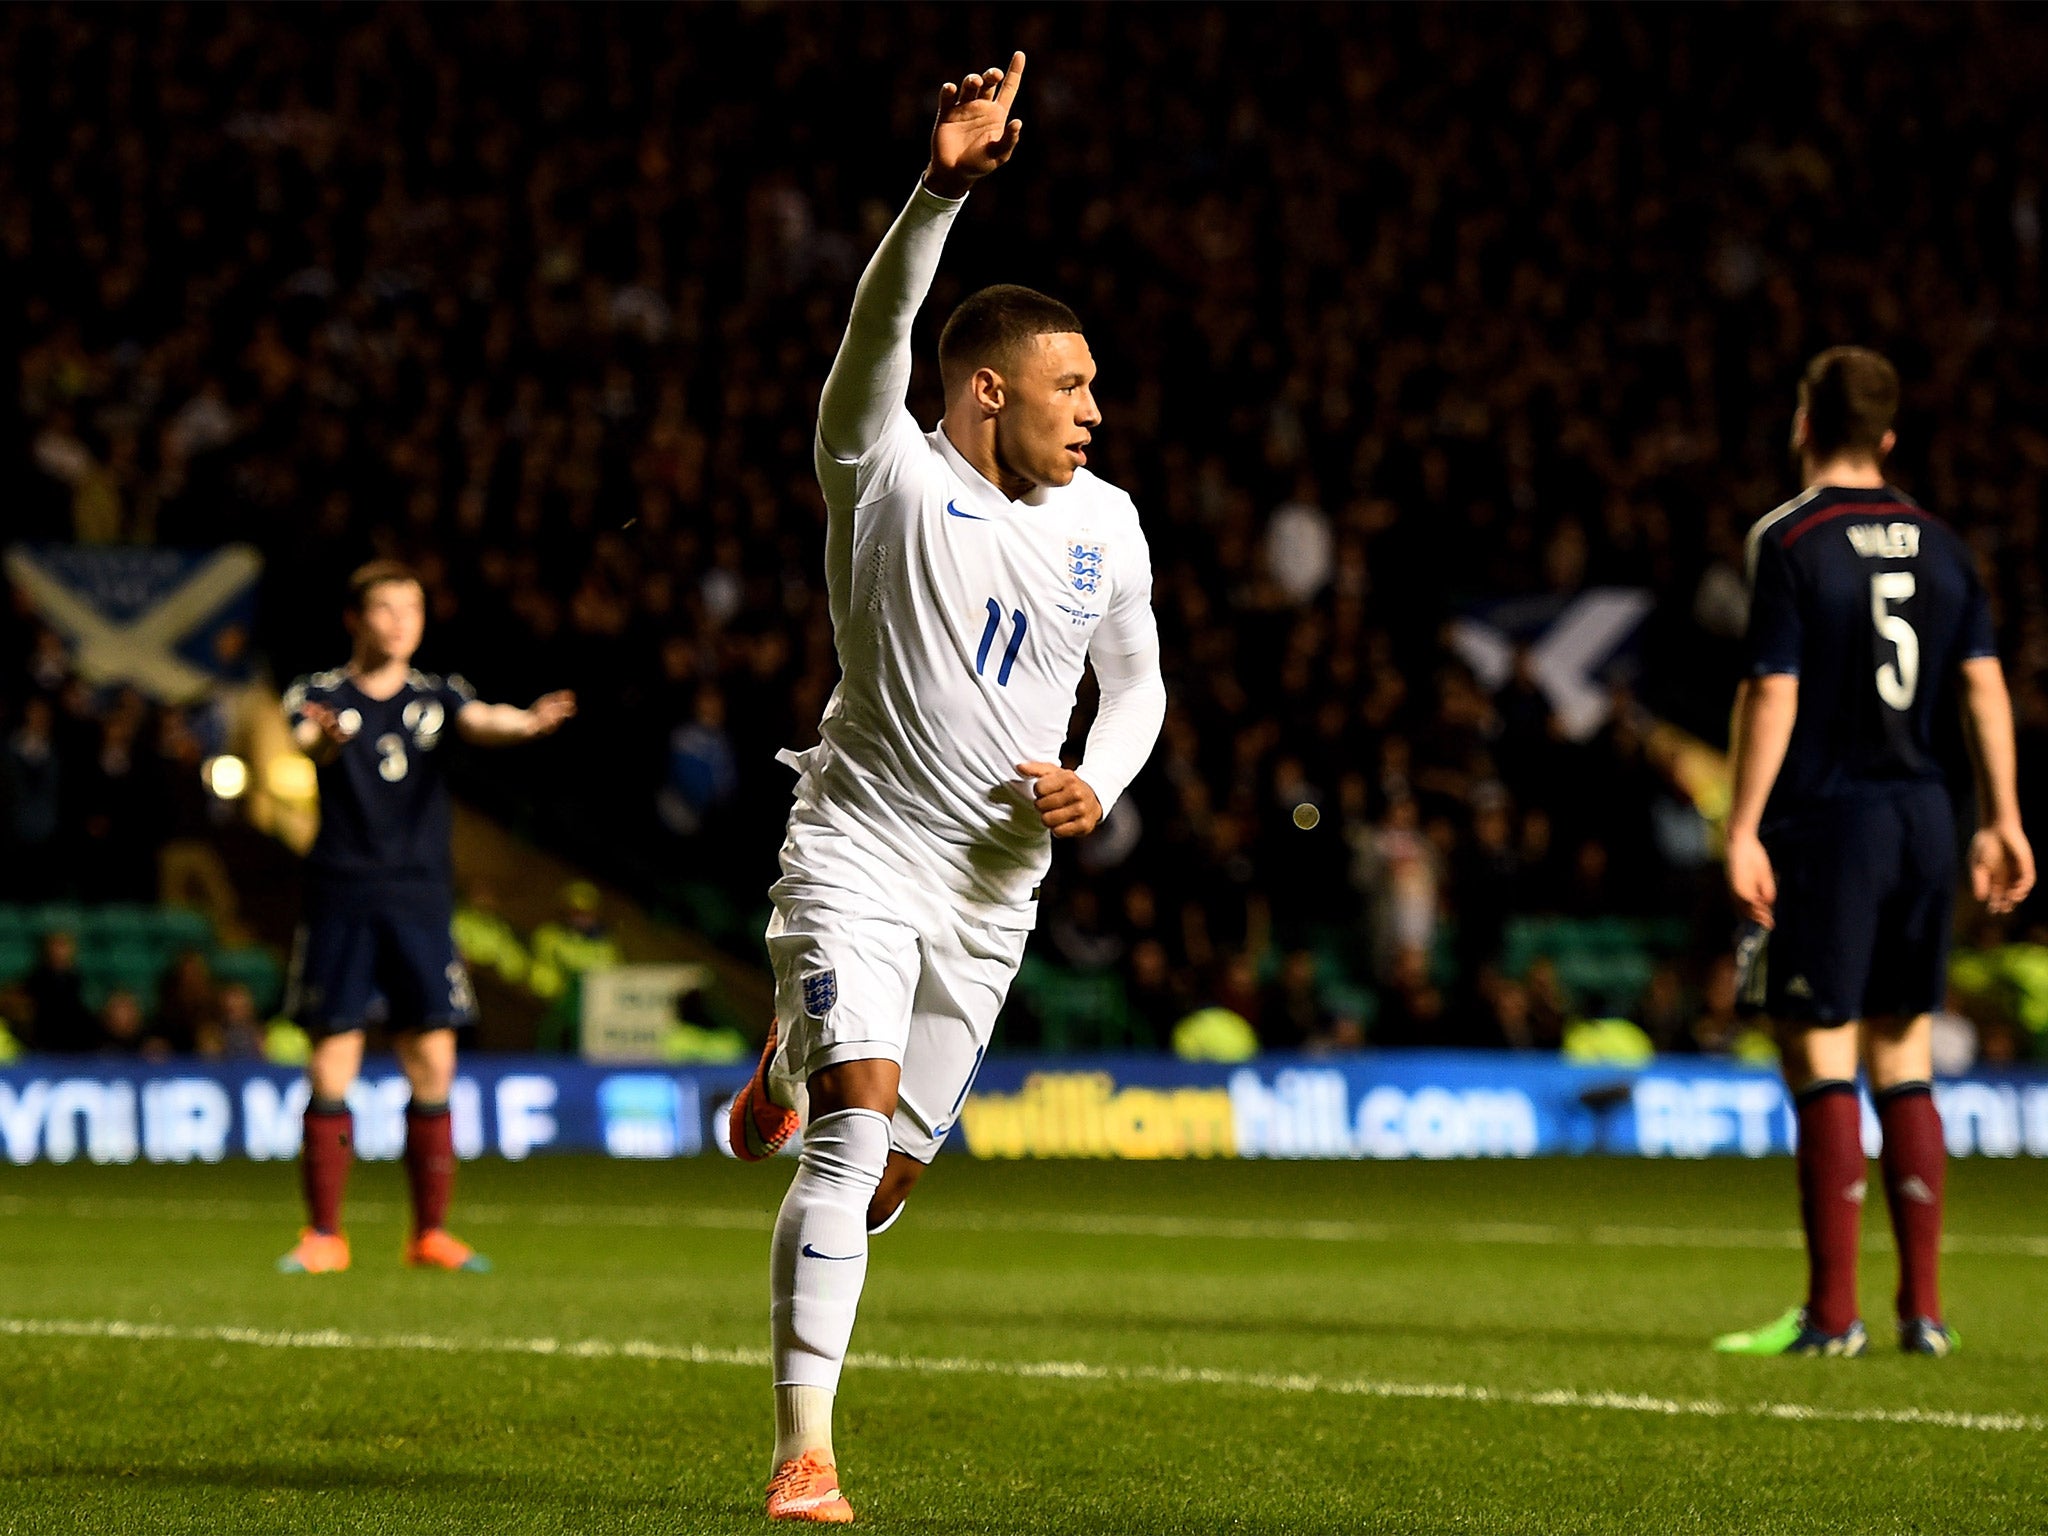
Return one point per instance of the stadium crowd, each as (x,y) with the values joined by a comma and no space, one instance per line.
(186,1011)
(539,299)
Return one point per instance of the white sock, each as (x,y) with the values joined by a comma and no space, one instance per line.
(803,1422)
(819,1258)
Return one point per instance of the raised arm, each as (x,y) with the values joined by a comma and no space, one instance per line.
(2001,859)
(974,135)
(504,725)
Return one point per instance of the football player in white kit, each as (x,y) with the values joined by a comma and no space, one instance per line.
(973,572)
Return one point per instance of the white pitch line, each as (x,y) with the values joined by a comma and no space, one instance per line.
(1073,1224)
(1021,1370)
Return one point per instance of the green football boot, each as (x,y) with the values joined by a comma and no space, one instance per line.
(1790,1335)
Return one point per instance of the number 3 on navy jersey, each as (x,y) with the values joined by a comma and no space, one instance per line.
(1898,681)
(391,748)
(988,639)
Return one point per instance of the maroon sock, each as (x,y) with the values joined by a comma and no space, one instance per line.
(429,1163)
(1831,1185)
(1915,1170)
(325,1152)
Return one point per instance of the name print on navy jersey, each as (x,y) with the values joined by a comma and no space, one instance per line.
(1874,605)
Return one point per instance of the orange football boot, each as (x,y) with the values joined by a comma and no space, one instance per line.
(808,1489)
(758,1127)
(435,1249)
(317,1253)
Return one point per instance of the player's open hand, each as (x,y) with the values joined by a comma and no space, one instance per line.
(550,711)
(2001,867)
(332,731)
(1750,878)
(1066,804)
(329,734)
(975,132)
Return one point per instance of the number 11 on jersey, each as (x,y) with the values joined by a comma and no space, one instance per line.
(988,639)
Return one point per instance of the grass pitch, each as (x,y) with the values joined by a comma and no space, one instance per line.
(1051,1347)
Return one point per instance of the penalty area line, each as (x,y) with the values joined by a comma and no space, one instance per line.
(1288,1383)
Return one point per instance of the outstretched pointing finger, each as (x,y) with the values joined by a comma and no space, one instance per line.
(1011,81)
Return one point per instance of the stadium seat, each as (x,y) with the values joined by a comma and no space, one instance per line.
(1080,1012)
(17,956)
(183,928)
(134,971)
(119,920)
(54,916)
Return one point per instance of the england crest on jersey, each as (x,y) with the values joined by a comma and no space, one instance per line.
(1084,567)
(821,993)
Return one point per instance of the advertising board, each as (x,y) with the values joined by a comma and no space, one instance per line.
(1422,1104)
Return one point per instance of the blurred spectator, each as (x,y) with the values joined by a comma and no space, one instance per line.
(1078,935)
(31,785)
(1156,999)
(563,951)
(58,1020)
(239,1033)
(1395,870)
(702,773)
(124,1029)
(1412,1007)
(486,940)
(188,1018)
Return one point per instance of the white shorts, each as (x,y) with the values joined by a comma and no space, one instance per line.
(858,978)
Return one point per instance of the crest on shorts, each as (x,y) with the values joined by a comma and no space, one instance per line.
(821,993)
(1084,567)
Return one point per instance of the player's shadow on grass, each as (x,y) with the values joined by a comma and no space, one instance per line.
(1245,1326)
(520,1487)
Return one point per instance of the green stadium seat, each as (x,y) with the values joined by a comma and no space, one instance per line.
(183,928)
(17,957)
(1078,1012)
(118,920)
(56,915)
(135,971)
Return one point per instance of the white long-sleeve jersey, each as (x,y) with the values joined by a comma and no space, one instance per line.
(963,622)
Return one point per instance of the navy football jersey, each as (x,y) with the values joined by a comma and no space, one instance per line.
(385,816)
(1874,605)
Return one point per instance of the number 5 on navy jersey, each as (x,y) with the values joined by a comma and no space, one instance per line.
(988,639)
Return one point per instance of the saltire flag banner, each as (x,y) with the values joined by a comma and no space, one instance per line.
(1576,644)
(173,623)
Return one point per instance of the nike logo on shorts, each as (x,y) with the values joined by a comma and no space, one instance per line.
(953,508)
(837,1258)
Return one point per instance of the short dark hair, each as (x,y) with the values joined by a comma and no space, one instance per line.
(988,325)
(364,578)
(1850,396)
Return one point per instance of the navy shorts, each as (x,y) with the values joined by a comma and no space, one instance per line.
(352,969)
(1866,892)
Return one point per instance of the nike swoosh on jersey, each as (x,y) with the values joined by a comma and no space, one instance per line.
(953,509)
(837,1258)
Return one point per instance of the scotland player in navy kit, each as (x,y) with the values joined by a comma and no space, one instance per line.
(1867,625)
(375,944)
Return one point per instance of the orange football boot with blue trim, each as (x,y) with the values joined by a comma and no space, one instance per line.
(758,1127)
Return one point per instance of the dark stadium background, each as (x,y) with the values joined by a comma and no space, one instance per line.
(1500,304)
